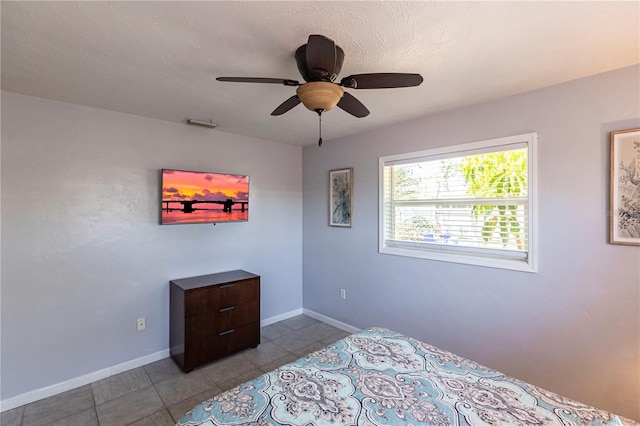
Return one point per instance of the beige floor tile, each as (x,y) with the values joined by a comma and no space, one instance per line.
(264,354)
(87,417)
(300,321)
(180,409)
(321,331)
(180,387)
(163,369)
(120,384)
(159,418)
(295,340)
(340,334)
(274,331)
(12,417)
(58,406)
(228,368)
(130,407)
(278,363)
(308,349)
(245,377)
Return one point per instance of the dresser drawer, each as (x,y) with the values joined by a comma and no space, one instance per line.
(231,316)
(210,348)
(214,298)
(234,340)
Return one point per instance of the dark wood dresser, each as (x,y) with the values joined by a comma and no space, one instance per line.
(212,316)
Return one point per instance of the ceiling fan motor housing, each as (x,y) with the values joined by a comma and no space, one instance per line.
(319,95)
(308,75)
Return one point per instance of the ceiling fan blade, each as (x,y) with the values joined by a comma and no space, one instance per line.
(284,81)
(286,105)
(353,106)
(381,80)
(321,56)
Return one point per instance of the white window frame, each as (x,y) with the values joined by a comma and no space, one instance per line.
(493,258)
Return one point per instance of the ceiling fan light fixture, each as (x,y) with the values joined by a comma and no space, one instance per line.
(320,95)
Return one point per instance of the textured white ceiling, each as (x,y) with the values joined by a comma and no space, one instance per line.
(160,59)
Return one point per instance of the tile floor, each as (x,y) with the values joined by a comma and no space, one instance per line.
(159,394)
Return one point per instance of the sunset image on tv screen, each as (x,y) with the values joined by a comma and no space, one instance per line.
(199,197)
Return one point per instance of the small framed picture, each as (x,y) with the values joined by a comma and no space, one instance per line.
(625,188)
(341,197)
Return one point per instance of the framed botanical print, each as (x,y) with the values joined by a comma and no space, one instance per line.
(625,188)
(341,197)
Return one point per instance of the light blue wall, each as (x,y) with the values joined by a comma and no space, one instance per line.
(574,327)
(83,255)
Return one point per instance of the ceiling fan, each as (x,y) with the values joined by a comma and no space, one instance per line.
(319,62)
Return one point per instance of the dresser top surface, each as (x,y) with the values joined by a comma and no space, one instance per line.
(213,279)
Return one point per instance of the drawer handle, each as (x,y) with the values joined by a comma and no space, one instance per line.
(222,333)
(228,308)
(227,285)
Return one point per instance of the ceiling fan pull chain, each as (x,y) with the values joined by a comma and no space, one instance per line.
(319,126)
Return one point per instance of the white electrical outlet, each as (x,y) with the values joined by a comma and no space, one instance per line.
(343,293)
(141,324)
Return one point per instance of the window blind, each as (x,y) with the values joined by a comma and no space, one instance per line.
(471,201)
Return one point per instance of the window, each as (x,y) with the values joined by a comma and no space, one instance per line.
(471,203)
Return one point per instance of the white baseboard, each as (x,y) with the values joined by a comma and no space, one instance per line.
(76,382)
(281,317)
(331,321)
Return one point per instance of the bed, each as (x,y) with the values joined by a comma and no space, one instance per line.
(380,377)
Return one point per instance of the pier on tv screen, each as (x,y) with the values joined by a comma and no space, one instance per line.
(201,197)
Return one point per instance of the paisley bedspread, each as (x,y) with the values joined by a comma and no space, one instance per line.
(379,377)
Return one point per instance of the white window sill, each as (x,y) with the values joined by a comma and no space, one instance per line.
(522,265)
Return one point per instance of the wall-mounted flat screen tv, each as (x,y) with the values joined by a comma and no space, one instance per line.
(201,197)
